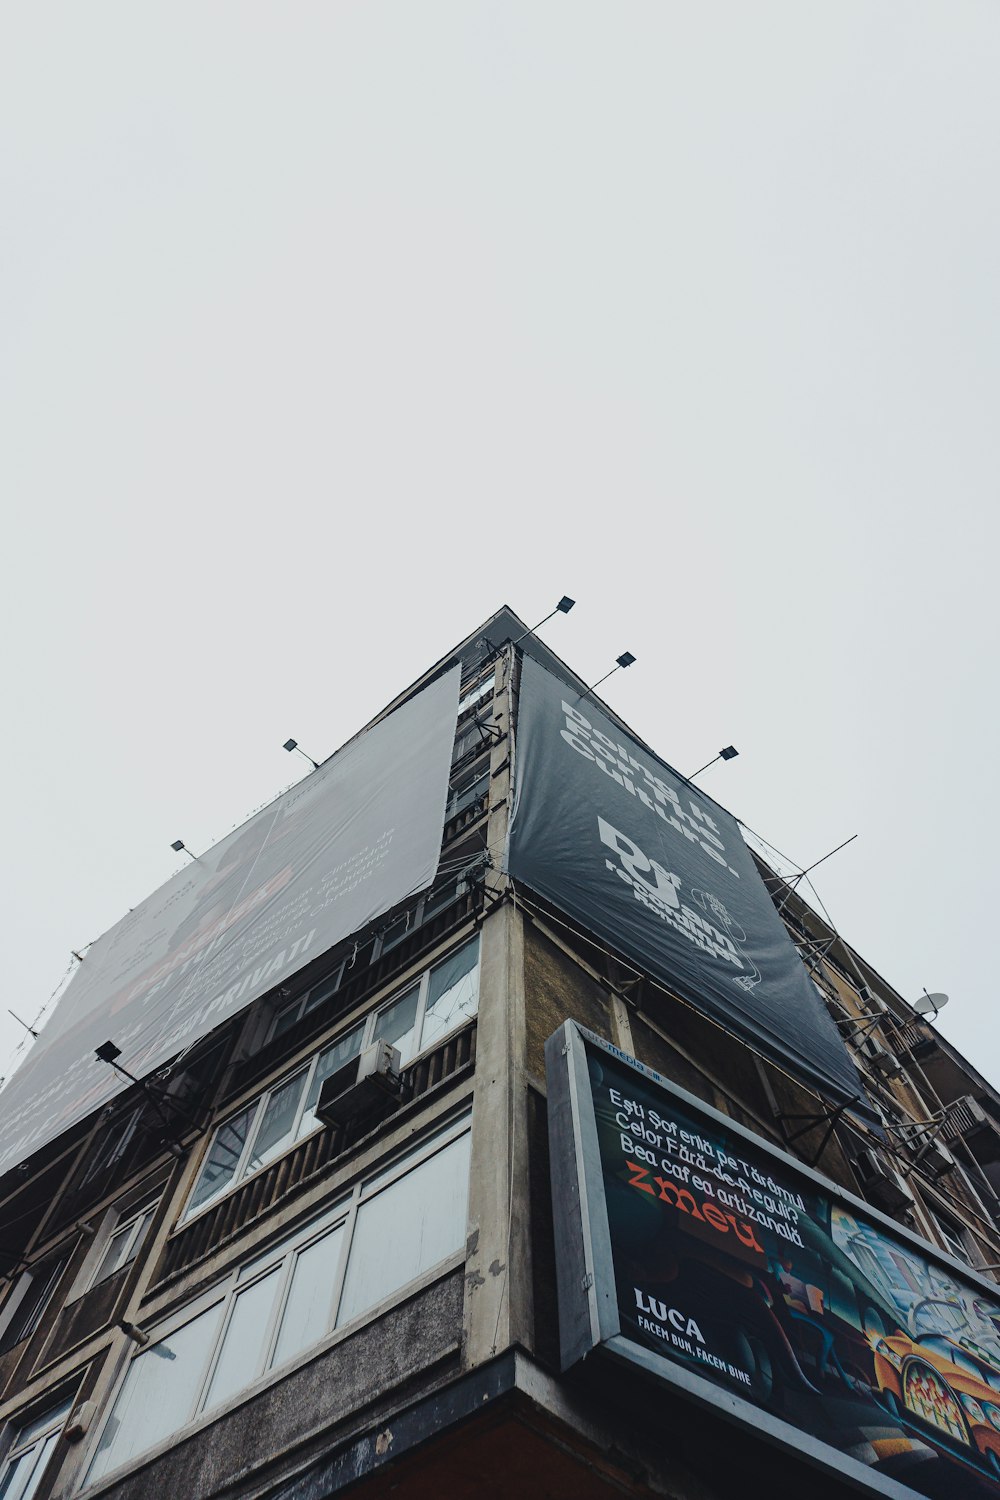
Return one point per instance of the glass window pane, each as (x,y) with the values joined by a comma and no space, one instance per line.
(223,1158)
(396,1022)
(406,1228)
(479,691)
(242,1351)
(159,1392)
(114,1256)
(48,1421)
(24,1475)
(276,1127)
(324,989)
(33,1445)
(308,1312)
(452,993)
(42,1283)
(286,1018)
(328,1062)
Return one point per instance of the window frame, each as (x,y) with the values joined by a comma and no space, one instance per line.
(949,1232)
(303,1003)
(367,1026)
(414,917)
(46,1438)
(283,1256)
(477,691)
(54,1266)
(135,1224)
(468,785)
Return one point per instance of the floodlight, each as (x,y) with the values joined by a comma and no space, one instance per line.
(730,752)
(291,745)
(562,608)
(107,1052)
(625,660)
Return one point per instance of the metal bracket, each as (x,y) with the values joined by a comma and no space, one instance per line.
(832,1118)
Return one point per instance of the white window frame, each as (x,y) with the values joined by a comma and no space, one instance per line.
(477,692)
(415,916)
(55,1266)
(133,1226)
(949,1233)
(342,1215)
(329,984)
(367,1028)
(45,1440)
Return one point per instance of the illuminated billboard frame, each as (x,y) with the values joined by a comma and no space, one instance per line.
(714,1261)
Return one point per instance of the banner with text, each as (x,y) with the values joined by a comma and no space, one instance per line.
(350,841)
(723,1261)
(621,842)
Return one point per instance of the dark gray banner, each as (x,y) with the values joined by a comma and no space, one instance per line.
(350,841)
(619,841)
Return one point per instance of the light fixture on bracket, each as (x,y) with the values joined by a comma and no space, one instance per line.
(625,660)
(291,745)
(562,608)
(179,847)
(109,1052)
(728,752)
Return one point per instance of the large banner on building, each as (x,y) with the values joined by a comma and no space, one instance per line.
(354,838)
(621,842)
(693,1249)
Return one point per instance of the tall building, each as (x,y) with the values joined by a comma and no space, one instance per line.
(569,1152)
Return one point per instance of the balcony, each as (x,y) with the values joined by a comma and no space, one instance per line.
(442,1067)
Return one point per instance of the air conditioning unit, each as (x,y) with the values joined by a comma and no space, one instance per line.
(934,1159)
(968,1121)
(367,1085)
(879,1057)
(880,1185)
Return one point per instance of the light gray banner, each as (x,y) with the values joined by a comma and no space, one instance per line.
(350,841)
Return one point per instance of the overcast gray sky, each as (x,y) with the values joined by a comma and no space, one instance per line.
(327,328)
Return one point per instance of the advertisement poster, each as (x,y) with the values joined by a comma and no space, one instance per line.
(615,838)
(716,1257)
(345,844)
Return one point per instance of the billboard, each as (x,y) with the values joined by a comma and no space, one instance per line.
(354,838)
(691,1248)
(639,856)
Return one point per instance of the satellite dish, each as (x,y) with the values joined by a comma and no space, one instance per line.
(929,1005)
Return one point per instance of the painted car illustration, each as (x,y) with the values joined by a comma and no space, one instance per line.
(945,1386)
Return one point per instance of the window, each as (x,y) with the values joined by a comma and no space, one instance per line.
(27,1458)
(442,999)
(314,996)
(477,693)
(951,1237)
(467,787)
(27,1303)
(467,741)
(114,1143)
(428,906)
(123,1244)
(395,1226)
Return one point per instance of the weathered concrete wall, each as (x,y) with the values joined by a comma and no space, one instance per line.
(319,1404)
